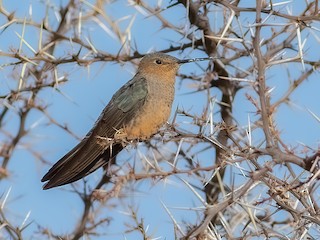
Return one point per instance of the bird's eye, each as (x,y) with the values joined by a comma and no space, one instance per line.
(158,61)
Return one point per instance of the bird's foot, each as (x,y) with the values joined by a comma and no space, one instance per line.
(105,142)
(121,137)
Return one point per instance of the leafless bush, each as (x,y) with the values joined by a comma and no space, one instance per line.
(238,154)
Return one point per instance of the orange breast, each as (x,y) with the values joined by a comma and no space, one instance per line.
(154,113)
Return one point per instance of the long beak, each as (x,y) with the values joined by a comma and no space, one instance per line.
(194,60)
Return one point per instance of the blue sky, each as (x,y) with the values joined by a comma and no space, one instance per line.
(89,89)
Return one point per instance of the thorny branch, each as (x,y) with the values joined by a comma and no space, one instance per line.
(249,174)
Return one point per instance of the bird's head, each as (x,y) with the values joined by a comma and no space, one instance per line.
(162,65)
(159,64)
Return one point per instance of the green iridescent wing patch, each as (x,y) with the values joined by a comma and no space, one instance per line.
(132,93)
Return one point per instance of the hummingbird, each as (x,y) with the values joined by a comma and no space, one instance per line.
(135,112)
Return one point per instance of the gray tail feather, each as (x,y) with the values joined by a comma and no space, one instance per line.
(82,160)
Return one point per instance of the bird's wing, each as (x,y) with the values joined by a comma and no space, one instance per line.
(90,154)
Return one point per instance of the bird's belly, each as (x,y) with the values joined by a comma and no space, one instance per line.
(149,119)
